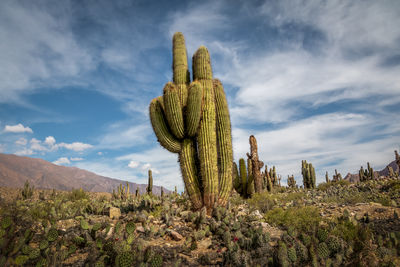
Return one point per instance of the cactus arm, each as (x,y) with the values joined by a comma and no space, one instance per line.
(206,137)
(193,109)
(160,127)
(190,173)
(181,75)
(224,137)
(173,110)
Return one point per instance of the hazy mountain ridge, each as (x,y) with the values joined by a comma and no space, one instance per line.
(353,178)
(15,170)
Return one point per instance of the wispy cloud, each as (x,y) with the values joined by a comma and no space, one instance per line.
(49,57)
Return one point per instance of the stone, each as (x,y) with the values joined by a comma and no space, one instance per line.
(140,229)
(175,235)
(114,213)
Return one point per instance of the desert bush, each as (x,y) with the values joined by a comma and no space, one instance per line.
(305,219)
(77,194)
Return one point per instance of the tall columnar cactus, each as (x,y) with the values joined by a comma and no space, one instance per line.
(270,178)
(361,174)
(291,182)
(192,119)
(256,165)
(243,180)
(308,172)
(150,183)
(327,177)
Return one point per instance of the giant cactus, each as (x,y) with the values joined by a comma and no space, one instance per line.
(192,119)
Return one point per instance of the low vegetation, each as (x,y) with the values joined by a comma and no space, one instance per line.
(336,225)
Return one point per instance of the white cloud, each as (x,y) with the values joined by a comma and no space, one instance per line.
(100,153)
(62,161)
(133,164)
(76,159)
(21,142)
(50,141)
(37,145)
(24,152)
(75,146)
(146,166)
(19,128)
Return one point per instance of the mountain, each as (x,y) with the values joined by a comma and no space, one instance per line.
(353,178)
(15,170)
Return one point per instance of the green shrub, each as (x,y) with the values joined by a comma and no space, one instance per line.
(77,194)
(303,219)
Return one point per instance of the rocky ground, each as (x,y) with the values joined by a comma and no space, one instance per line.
(337,224)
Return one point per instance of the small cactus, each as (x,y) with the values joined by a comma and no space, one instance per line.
(323,250)
(52,235)
(292,256)
(130,227)
(125,259)
(156,261)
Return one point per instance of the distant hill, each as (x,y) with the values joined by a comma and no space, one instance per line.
(353,178)
(15,170)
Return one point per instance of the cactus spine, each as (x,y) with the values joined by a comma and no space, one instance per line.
(308,173)
(192,119)
(150,183)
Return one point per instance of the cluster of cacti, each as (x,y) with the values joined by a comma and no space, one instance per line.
(367,174)
(291,182)
(308,172)
(192,119)
(27,191)
(149,188)
(243,181)
(122,192)
(336,177)
(271,179)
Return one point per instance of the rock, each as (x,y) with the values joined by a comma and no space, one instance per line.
(114,212)
(175,235)
(257,214)
(140,229)
(109,234)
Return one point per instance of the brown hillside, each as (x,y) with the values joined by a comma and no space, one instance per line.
(15,170)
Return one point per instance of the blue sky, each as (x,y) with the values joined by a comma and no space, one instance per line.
(314,80)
